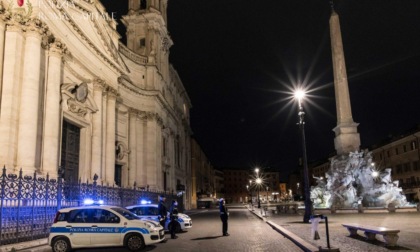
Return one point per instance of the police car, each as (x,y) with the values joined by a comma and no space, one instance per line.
(150,212)
(102,226)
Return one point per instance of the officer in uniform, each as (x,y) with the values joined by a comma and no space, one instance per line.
(173,210)
(224,214)
(162,211)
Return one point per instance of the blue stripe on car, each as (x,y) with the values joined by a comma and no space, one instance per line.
(104,230)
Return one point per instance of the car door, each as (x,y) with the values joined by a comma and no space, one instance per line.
(106,228)
(78,227)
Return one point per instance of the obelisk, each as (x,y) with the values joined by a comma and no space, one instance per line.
(346,137)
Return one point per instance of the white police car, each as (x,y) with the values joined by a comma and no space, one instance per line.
(102,226)
(150,212)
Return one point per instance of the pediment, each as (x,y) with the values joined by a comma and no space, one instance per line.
(96,28)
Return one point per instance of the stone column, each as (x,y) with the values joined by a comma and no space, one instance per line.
(347,139)
(12,70)
(98,86)
(110,137)
(52,121)
(132,143)
(29,101)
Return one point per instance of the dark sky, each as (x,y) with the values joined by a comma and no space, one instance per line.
(238,59)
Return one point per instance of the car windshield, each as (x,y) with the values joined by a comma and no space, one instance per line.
(126,213)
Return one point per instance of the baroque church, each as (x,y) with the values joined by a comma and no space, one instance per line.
(75,100)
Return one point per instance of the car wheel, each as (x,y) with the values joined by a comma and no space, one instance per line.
(61,244)
(134,242)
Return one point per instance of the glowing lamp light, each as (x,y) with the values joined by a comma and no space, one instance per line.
(299,94)
(375,174)
(258,180)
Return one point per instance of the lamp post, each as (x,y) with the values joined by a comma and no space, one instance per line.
(299,95)
(258,182)
(267,193)
(250,191)
(247,191)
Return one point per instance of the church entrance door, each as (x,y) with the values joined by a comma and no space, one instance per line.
(70,147)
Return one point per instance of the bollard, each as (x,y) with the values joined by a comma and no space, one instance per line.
(328,248)
(315,219)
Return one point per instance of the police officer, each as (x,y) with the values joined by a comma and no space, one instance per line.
(173,210)
(224,214)
(162,211)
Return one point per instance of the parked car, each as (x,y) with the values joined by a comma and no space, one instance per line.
(150,212)
(102,226)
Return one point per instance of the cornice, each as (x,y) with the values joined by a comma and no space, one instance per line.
(126,84)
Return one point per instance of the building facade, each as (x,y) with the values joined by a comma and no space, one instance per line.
(241,186)
(202,178)
(75,100)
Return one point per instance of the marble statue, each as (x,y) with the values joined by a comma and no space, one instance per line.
(353,180)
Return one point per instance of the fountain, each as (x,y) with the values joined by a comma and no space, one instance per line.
(352,181)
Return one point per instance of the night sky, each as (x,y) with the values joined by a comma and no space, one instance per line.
(239,59)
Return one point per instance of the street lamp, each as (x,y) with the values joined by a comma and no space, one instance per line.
(267,193)
(299,95)
(258,181)
(247,191)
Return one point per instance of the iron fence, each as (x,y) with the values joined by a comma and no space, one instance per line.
(29,203)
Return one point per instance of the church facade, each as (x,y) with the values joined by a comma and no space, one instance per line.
(75,100)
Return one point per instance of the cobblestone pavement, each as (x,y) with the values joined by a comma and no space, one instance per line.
(250,232)
(407,222)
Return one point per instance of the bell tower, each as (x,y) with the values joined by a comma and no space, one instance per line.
(147,33)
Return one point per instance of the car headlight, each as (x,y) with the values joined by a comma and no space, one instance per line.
(151,227)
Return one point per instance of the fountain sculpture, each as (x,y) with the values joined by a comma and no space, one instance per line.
(352,181)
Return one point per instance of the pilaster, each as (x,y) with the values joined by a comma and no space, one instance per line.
(97,150)
(52,122)
(110,136)
(132,143)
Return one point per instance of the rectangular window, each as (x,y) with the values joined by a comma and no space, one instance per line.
(405,148)
(142,42)
(413,145)
(396,151)
(143,4)
(388,154)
